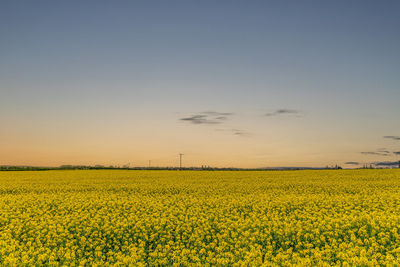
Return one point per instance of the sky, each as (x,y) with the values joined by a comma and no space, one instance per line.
(226,83)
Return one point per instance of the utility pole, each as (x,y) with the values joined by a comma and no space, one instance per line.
(149,163)
(180,160)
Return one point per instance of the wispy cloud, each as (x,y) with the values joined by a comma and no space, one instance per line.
(376,153)
(280,112)
(240,132)
(396,152)
(215,113)
(214,117)
(352,163)
(236,132)
(387,163)
(200,119)
(208,117)
(393,137)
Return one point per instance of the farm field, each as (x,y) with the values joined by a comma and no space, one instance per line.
(117,217)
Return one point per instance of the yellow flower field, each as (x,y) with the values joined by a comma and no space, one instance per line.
(117,217)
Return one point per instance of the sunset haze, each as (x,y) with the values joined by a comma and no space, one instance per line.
(226,83)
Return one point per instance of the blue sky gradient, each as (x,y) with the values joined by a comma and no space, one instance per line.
(108,82)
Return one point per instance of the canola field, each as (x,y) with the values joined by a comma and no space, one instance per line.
(200,218)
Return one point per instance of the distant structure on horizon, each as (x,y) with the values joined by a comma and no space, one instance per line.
(180,160)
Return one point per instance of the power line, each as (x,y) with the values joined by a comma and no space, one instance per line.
(180,160)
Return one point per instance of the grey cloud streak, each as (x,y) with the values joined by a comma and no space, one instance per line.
(376,153)
(397,138)
(208,117)
(381,152)
(236,132)
(352,163)
(215,113)
(387,163)
(279,112)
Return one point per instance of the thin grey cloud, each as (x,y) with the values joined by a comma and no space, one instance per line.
(397,153)
(236,132)
(215,113)
(384,150)
(198,119)
(280,112)
(392,137)
(376,153)
(240,132)
(387,163)
(208,117)
(352,163)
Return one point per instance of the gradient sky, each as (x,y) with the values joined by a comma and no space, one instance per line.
(227,83)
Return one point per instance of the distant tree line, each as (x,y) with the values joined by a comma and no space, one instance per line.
(24,168)
(126,167)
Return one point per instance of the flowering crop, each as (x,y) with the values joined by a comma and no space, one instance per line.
(116,217)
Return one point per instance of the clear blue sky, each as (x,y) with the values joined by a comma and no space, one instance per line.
(305,83)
